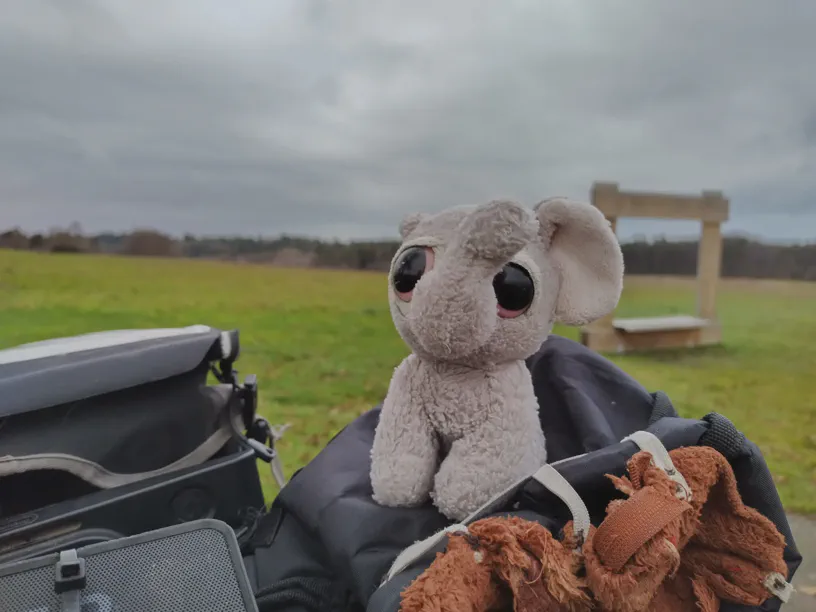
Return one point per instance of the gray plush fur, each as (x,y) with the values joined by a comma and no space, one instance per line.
(460,420)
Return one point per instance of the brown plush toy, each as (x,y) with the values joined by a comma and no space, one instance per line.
(656,551)
(666,548)
(502,564)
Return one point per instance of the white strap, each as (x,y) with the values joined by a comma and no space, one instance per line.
(554,482)
(650,443)
(276,465)
(557,484)
(778,586)
(93,473)
(102,478)
(419,549)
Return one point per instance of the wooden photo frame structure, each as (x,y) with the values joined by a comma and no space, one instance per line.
(617,335)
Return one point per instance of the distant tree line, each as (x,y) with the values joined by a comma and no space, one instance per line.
(742,257)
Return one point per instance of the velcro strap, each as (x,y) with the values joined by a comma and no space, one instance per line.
(632,524)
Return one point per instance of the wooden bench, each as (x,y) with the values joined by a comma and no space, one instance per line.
(711,209)
(651,333)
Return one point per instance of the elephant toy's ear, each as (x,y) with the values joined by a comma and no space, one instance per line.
(579,240)
(409,224)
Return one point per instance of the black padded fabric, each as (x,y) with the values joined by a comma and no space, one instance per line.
(306,592)
(723,436)
(757,488)
(755,485)
(291,573)
(335,544)
(661,407)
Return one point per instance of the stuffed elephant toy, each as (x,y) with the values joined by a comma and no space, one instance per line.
(474,291)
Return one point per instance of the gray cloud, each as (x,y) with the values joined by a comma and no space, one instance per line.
(335,118)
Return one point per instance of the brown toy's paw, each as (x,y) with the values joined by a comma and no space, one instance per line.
(458,580)
(501,564)
(498,230)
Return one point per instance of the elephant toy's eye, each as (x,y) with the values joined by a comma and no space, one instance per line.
(412,264)
(514,290)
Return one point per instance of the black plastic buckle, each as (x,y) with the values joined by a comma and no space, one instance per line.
(262,451)
(259,437)
(249,398)
(70,572)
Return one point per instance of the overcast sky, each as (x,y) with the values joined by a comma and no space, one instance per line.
(335,118)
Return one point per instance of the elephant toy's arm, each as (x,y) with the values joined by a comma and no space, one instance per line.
(404,457)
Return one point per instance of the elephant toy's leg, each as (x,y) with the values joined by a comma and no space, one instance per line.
(404,456)
(483,464)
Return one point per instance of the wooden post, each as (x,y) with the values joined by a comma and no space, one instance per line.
(613,223)
(708,270)
(709,262)
(604,196)
(607,322)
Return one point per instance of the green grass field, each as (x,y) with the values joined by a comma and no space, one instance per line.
(323,345)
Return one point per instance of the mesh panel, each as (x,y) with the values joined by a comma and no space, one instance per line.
(185,572)
(30,591)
